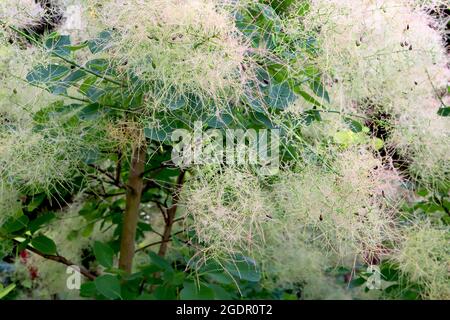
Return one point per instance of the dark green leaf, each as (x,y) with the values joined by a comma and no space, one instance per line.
(159,135)
(389,272)
(90,112)
(354,125)
(280,95)
(320,91)
(220,293)
(220,277)
(144,226)
(306,96)
(23,245)
(77,47)
(279,72)
(98,65)
(444,111)
(36,202)
(175,102)
(220,121)
(47,74)
(59,45)
(74,77)
(109,286)
(254,102)
(15,224)
(44,245)
(101,42)
(91,156)
(280,6)
(88,290)
(264,120)
(244,270)
(357,282)
(191,291)
(165,292)
(91,89)
(269,17)
(104,254)
(40,221)
(160,262)
(312,115)
(422,192)
(57,89)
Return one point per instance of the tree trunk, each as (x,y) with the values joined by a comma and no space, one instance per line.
(133,201)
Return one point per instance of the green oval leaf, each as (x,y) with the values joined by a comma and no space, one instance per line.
(354,125)
(36,202)
(59,44)
(44,245)
(40,221)
(98,65)
(191,291)
(88,290)
(280,96)
(47,74)
(159,135)
(109,286)
(298,90)
(15,224)
(160,262)
(320,91)
(101,42)
(104,254)
(444,111)
(245,270)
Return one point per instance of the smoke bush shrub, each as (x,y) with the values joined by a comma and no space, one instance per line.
(424,256)
(23,13)
(187,47)
(386,57)
(228,210)
(357,88)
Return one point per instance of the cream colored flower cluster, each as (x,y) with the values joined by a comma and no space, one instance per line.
(21,13)
(387,57)
(181,46)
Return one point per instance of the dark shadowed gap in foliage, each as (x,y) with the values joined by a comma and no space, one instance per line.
(52,19)
(87,257)
(375,124)
(443,13)
(378,128)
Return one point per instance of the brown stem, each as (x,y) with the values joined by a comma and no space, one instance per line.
(170,215)
(133,200)
(57,258)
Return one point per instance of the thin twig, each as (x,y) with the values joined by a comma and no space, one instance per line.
(158,242)
(163,165)
(109,175)
(162,209)
(62,260)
